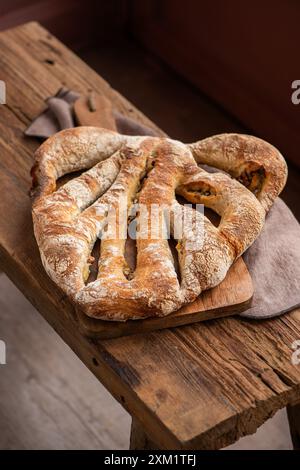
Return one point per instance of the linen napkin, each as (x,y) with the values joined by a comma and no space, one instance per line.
(274,258)
(59,115)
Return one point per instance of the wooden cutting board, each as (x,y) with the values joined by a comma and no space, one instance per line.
(230,297)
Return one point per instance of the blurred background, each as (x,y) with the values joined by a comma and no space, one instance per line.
(196,68)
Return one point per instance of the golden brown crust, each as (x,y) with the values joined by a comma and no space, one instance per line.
(255,163)
(68,221)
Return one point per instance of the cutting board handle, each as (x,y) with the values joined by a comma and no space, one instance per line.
(95,110)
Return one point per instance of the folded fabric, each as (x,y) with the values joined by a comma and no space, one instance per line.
(273,260)
(274,264)
(59,115)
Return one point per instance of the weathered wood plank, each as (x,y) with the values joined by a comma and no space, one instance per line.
(46,391)
(49,399)
(38,65)
(234,374)
(203,385)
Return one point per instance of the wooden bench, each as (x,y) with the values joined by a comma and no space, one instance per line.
(195,387)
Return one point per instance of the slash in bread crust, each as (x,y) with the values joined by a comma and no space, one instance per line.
(68,220)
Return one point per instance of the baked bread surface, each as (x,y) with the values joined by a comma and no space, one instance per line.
(151,171)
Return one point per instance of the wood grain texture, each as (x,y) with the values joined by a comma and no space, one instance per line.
(50,400)
(198,386)
(95,110)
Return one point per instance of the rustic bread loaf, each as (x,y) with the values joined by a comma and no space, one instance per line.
(150,171)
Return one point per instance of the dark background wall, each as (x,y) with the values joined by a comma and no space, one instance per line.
(196,67)
(243,55)
(76,22)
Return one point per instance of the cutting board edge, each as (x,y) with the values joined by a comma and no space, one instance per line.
(101,329)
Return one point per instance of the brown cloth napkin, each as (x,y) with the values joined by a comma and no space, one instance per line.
(273,260)
(59,115)
(274,264)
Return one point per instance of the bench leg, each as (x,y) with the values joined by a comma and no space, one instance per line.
(138,438)
(293,412)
